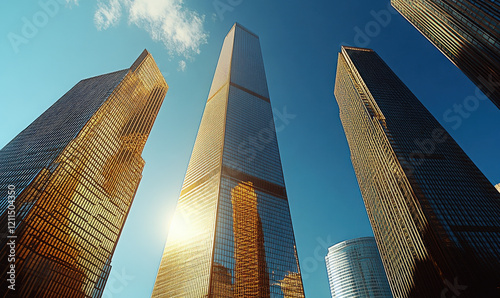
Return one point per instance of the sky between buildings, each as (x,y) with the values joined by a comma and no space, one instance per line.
(48,46)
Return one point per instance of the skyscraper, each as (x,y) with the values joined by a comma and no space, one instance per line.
(355,270)
(231,234)
(72,176)
(465,31)
(498,187)
(433,213)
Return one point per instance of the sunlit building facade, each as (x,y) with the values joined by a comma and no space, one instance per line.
(355,269)
(433,213)
(465,31)
(75,171)
(498,187)
(231,234)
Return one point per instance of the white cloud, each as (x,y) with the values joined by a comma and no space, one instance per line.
(168,21)
(182,65)
(107,15)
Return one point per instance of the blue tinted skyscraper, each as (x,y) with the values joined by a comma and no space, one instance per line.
(231,234)
(355,270)
(435,216)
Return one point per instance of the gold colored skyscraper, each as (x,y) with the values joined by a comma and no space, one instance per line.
(250,268)
(435,216)
(465,31)
(231,234)
(75,171)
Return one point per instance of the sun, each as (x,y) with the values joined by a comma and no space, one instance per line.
(181,227)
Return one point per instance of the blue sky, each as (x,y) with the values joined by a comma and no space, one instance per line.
(300,40)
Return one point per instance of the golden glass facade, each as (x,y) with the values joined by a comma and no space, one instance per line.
(250,268)
(433,213)
(231,234)
(76,169)
(465,31)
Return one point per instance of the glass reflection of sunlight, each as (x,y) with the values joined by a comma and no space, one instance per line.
(181,227)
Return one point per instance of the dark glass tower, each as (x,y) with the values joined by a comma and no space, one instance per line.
(435,216)
(231,234)
(75,171)
(465,31)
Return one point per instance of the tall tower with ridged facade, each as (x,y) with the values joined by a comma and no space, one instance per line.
(71,177)
(231,234)
(466,32)
(433,213)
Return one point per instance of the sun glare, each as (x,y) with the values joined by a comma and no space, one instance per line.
(181,227)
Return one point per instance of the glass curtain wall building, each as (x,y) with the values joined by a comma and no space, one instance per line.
(75,171)
(355,270)
(433,213)
(231,234)
(465,31)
